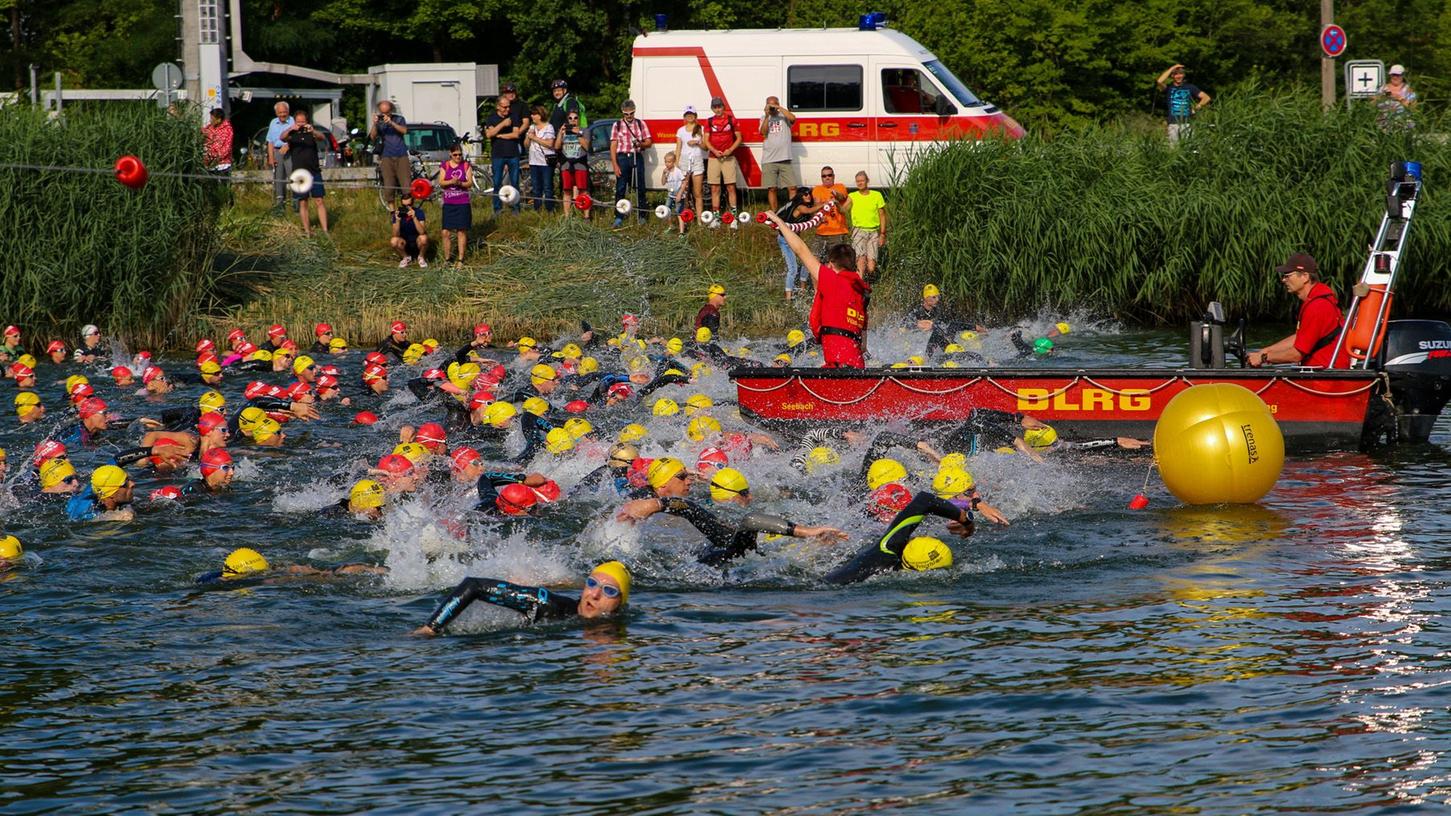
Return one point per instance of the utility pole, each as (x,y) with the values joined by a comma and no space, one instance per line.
(1327,64)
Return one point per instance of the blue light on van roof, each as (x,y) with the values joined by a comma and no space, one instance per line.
(871,21)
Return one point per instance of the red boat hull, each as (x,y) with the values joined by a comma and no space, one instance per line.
(1315,408)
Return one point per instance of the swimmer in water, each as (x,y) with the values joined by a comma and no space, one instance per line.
(107,499)
(606,591)
(245,566)
(12,554)
(889,553)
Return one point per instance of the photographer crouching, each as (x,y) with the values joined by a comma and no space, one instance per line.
(410,232)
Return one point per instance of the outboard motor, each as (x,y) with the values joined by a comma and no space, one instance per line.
(1417,356)
(1207,343)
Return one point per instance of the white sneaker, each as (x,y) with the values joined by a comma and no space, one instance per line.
(422,262)
(735,225)
(403,263)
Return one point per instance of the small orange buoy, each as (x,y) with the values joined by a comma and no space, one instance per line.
(1138,502)
(131,172)
(583,201)
(421,188)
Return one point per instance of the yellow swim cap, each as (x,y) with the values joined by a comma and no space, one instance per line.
(783,358)
(558,441)
(10,548)
(885,471)
(578,427)
(900,365)
(25,402)
(211,401)
(365,495)
(266,429)
(261,354)
(700,370)
(926,553)
(337,344)
(617,571)
(638,363)
(967,336)
(795,337)
(950,364)
(727,483)
(697,403)
(537,406)
(412,451)
(715,289)
(931,290)
(429,345)
(55,471)
(633,432)
(302,363)
(588,365)
(211,367)
(953,460)
(916,360)
(74,380)
(623,453)
(107,479)
(27,360)
(954,348)
(243,561)
(498,414)
(665,407)
(949,483)
(1040,437)
(702,335)
(462,375)
(571,351)
(250,418)
(541,373)
(675,345)
(526,344)
(700,427)
(1063,328)
(819,457)
(662,470)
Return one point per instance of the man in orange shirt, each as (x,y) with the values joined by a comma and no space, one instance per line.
(833,229)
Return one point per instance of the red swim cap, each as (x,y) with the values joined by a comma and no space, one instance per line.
(639,469)
(398,327)
(621,391)
(81,391)
(169,492)
(276,330)
(254,389)
(576,406)
(153,373)
(889,500)
(462,457)
(236,334)
(321,329)
(431,435)
(365,418)
(47,450)
(480,399)
(214,459)
(548,492)
(90,407)
(482,328)
(396,464)
(209,422)
(515,499)
(376,358)
(711,459)
(205,344)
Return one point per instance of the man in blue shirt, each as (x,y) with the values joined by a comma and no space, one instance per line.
(1181,100)
(388,127)
(276,159)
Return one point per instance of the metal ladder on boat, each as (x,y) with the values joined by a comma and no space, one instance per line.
(1365,322)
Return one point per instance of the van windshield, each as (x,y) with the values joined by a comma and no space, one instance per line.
(953,84)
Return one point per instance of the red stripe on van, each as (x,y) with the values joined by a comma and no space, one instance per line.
(744,157)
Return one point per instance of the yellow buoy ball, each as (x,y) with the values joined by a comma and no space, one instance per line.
(1218,444)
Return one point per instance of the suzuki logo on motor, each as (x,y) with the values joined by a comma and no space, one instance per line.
(1089,399)
(1426,345)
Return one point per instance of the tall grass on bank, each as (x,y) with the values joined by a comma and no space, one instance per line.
(1120,222)
(80,248)
(529,274)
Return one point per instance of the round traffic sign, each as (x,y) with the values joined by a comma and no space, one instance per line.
(166,76)
(1333,40)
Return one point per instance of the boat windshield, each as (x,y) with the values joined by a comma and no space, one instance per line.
(953,84)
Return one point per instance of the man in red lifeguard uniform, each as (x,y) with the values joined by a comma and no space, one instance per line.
(839,310)
(1318,325)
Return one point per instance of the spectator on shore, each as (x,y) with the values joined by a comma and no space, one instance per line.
(388,127)
(540,140)
(629,138)
(796,211)
(456,179)
(1398,89)
(868,211)
(723,137)
(1395,101)
(832,231)
(1181,101)
(777,169)
(504,133)
(571,142)
(690,150)
(673,179)
(276,158)
(564,104)
(410,233)
(218,136)
(301,140)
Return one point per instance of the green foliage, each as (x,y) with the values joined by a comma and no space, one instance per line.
(88,250)
(1120,222)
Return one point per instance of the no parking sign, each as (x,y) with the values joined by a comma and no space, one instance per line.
(1333,40)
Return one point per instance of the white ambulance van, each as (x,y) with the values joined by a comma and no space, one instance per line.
(864,98)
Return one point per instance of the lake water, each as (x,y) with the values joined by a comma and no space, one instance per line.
(1289,657)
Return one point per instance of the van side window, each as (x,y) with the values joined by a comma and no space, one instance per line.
(824,87)
(907,91)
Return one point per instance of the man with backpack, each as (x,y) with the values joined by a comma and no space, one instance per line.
(565,104)
(723,136)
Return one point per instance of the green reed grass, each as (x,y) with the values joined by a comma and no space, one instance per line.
(79,247)
(1118,222)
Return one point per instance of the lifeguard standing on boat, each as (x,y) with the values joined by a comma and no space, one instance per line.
(839,310)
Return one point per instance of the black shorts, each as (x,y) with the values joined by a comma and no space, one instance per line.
(458,217)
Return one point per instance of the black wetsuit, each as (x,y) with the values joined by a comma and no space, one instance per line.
(320,348)
(488,487)
(885,555)
(619,476)
(535,603)
(536,433)
(726,543)
(393,347)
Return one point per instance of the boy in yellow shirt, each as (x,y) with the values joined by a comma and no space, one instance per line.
(868,212)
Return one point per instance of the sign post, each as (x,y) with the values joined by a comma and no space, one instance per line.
(166,78)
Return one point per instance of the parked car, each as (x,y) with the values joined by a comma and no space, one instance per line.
(430,140)
(328,154)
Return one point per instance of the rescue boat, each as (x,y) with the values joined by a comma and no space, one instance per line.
(1396,384)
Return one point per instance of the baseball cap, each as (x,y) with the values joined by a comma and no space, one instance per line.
(717,101)
(507,87)
(1298,262)
(1397,69)
(688,109)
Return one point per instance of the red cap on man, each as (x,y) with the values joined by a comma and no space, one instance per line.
(276,331)
(152,374)
(396,464)
(90,407)
(209,422)
(47,450)
(321,329)
(431,435)
(462,457)
(481,329)
(399,327)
